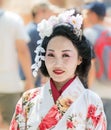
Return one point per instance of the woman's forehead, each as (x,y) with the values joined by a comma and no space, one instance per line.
(60,42)
(62,45)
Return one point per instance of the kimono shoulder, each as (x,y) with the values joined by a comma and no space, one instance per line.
(92,98)
(30,95)
(24,110)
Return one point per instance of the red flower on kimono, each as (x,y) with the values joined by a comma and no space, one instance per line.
(14,125)
(96,119)
(69,124)
(18,109)
(91,111)
(34,94)
(51,119)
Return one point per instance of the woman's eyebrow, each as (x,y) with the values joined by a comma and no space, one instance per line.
(50,50)
(62,50)
(66,50)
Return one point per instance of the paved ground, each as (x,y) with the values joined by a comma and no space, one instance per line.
(104,91)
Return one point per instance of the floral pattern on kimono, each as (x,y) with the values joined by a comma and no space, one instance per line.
(76,109)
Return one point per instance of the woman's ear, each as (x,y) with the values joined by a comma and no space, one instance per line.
(79,60)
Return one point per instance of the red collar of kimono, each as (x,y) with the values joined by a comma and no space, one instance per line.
(56,93)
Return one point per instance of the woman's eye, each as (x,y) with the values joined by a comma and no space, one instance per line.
(65,55)
(50,55)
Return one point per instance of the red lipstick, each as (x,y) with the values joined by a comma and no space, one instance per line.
(58,71)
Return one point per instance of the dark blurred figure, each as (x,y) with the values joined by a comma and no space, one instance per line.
(41,10)
(94,13)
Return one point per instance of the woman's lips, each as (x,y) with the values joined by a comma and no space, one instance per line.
(58,71)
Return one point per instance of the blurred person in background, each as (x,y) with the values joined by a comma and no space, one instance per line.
(92,71)
(107,20)
(95,14)
(13,48)
(40,11)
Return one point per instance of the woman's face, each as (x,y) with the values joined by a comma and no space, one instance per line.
(61,59)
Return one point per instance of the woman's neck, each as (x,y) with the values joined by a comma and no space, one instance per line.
(59,85)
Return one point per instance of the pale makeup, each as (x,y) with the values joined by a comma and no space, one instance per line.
(61,60)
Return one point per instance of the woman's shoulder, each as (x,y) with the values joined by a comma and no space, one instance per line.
(92,97)
(31,94)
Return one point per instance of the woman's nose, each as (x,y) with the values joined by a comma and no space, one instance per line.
(58,62)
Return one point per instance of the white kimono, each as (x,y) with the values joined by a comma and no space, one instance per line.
(76,109)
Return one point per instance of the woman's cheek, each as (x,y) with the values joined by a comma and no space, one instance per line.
(49,62)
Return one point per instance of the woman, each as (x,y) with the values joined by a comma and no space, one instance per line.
(63,103)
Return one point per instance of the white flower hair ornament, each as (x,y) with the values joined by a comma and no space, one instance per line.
(45,29)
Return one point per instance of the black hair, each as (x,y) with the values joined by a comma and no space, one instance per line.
(82,45)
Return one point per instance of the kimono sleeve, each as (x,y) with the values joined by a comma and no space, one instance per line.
(18,115)
(22,110)
(96,119)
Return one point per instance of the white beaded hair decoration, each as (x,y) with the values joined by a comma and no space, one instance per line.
(45,28)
